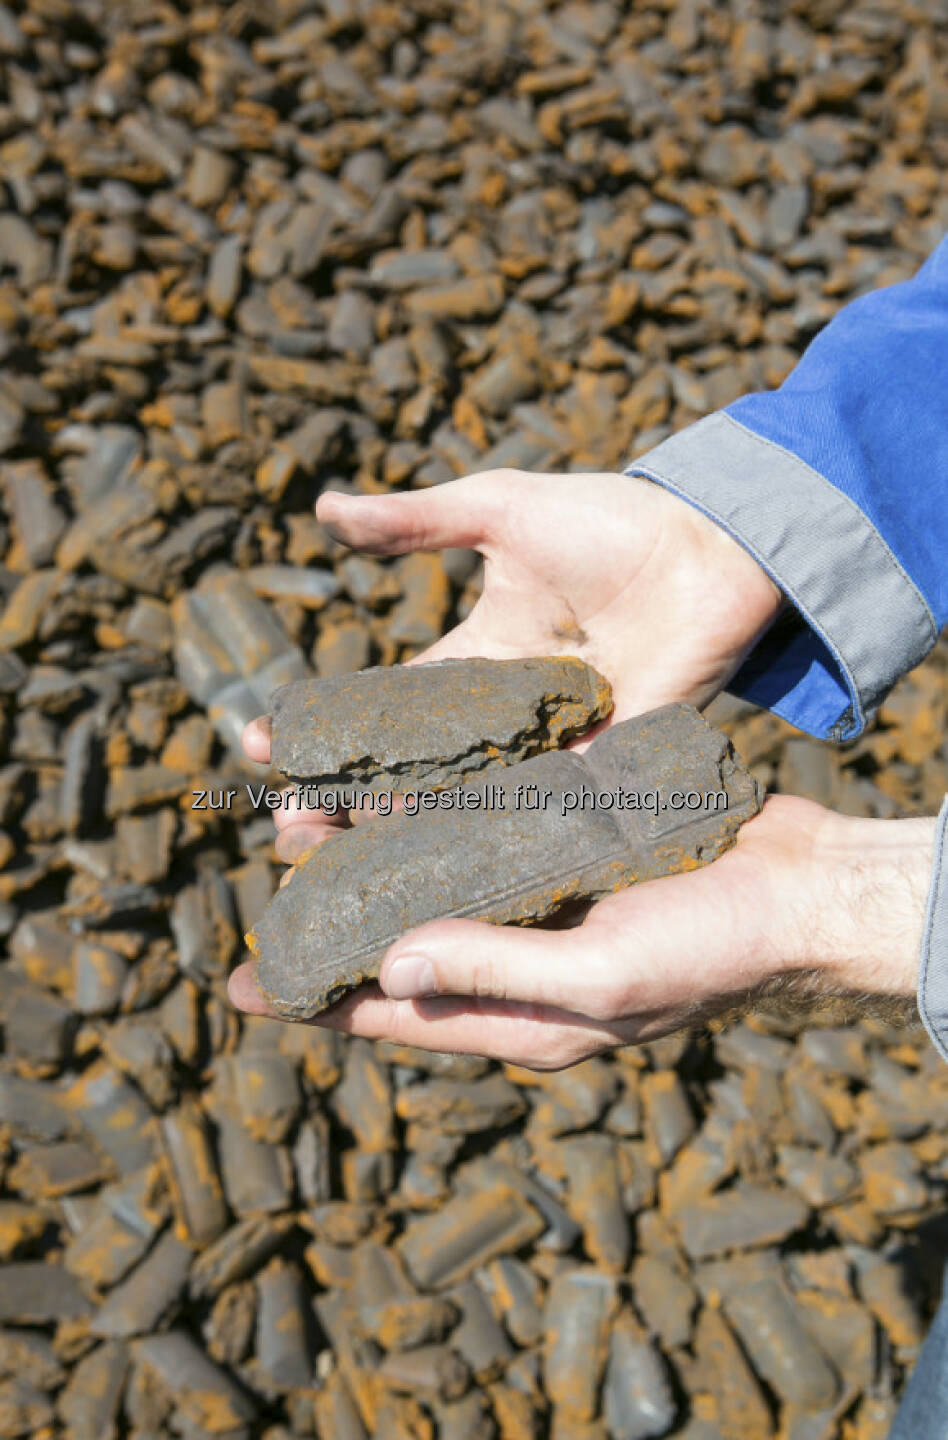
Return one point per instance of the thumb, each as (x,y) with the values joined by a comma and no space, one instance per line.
(456,514)
(568,969)
(634,952)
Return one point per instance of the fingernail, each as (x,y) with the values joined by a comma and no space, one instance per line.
(410,975)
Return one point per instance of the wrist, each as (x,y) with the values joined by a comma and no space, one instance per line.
(861,919)
(720,554)
(706,571)
(760,593)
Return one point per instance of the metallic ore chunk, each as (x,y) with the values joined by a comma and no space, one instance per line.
(100,974)
(327,930)
(90,1402)
(31,1357)
(431,1369)
(137,1304)
(562,1230)
(24,1409)
(258,1178)
(739,1218)
(45,1171)
(237,1253)
(771,1326)
(722,1368)
(266,1093)
(105,1248)
(115,1114)
(228,1330)
(363,1099)
(637,1399)
(579,1306)
(389,1310)
(195,1183)
(422,726)
(40,1292)
(480,1339)
(462,1107)
(470,1230)
(595,1195)
(336,1412)
(32,1111)
(205,1395)
(284,1343)
(668,1117)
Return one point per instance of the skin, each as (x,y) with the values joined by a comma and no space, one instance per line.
(666,605)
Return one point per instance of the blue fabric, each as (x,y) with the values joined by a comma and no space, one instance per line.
(923,1413)
(866,406)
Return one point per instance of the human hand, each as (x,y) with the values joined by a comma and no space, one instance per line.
(806,902)
(609,567)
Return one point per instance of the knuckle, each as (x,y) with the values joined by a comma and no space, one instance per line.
(487,978)
(398,1025)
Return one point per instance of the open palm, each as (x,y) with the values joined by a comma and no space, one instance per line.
(608,567)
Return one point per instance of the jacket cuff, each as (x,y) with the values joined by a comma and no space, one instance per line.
(933,975)
(866,622)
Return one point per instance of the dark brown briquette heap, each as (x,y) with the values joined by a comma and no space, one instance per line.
(249,251)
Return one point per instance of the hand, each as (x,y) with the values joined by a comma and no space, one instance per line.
(611,568)
(806,902)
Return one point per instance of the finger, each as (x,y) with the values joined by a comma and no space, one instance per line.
(391,805)
(243,993)
(256,740)
(582,742)
(568,969)
(291,810)
(532,1035)
(537,1036)
(457,514)
(633,955)
(294,814)
(293,843)
(297,807)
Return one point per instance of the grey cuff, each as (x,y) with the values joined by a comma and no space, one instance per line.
(815,543)
(933,975)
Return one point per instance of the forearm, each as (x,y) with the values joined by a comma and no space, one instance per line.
(848,909)
(810,905)
(862,918)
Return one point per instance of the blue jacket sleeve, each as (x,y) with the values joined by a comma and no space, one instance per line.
(837,483)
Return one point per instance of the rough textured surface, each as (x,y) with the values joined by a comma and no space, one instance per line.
(426,726)
(325,932)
